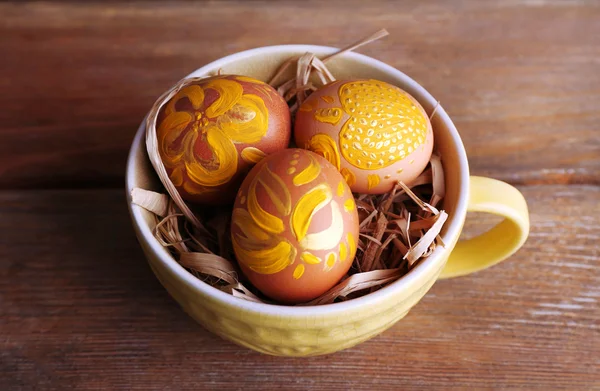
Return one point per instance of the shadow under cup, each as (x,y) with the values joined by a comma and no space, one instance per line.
(309,330)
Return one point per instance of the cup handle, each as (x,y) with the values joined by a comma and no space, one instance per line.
(499,198)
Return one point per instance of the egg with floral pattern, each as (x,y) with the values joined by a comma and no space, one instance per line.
(375,133)
(294,226)
(213,130)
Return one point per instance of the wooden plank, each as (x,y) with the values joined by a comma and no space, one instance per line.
(519,78)
(80,309)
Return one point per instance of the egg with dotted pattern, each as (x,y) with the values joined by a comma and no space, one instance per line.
(294,226)
(374,133)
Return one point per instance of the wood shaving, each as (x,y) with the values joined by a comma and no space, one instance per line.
(390,223)
(211,264)
(427,241)
(437,176)
(378,231)
(357,282)
(155,202)
(437,105)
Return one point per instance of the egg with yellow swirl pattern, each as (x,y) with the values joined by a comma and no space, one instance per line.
(375,133)
(294,226)
(214,130)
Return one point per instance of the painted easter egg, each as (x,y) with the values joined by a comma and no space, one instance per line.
(294,226)
(214,130)
(375,133)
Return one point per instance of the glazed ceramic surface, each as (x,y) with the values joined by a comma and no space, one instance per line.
(314,330)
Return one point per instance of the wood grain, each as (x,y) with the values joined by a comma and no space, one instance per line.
(519,78)
(80,309)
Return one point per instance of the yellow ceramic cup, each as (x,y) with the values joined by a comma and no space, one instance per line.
(305,331)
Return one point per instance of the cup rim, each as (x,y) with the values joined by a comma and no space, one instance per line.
(425,267)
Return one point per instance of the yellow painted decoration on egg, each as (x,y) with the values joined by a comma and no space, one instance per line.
(327,99)
(340,189)
(194,93)
(325,146)
(308,205)
(362,139)
(299,271)
(225,155)
(309,174)
(252,155)
(177,176)
(261,217)
(328,238)
(306,106)
(351,244)
(310,258)
(329,116)
(266,261)
(343,252)
(233,117)
(248,226)
(193,188)
(249,80)
(280,197)
(169,130)
(372,181)
(247,121)
(348,176)
(230,92)
(256,246)
(349,205)
(331,257)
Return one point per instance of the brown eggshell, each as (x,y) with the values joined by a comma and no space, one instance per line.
(214,130)
(375,133)
(294,226)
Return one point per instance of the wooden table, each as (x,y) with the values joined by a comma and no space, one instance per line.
(79,307)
